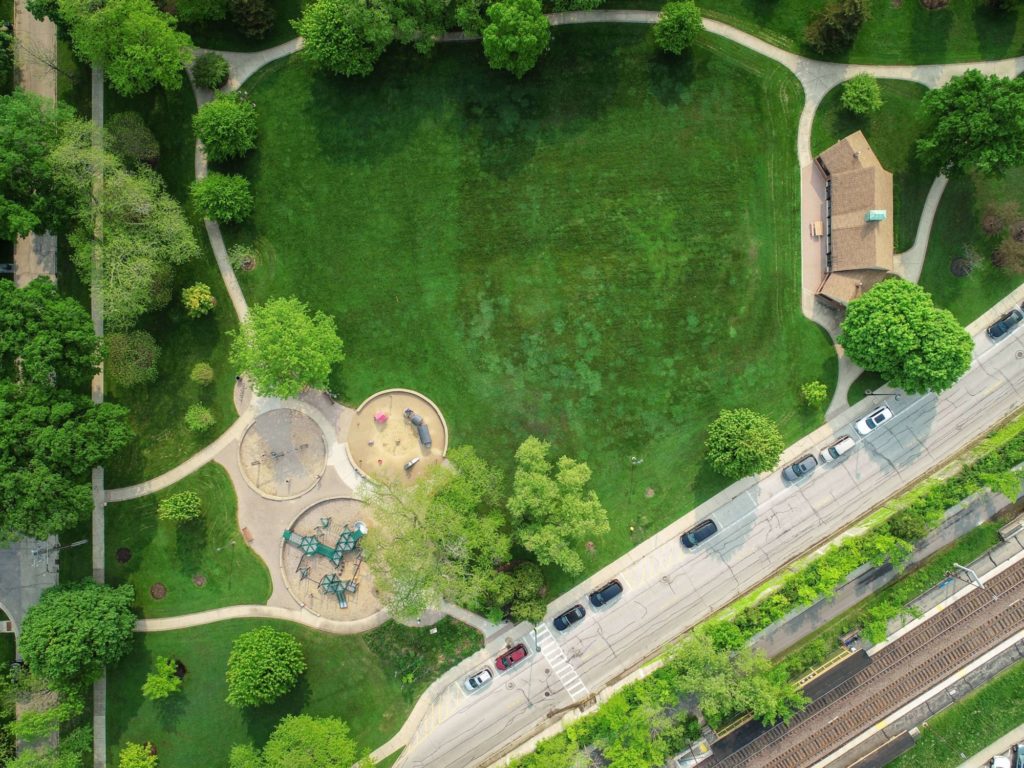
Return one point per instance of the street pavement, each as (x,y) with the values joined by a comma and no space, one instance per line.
(764,524)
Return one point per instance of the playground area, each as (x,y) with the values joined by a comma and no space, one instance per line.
(323,561)
(282,454)
(397,433)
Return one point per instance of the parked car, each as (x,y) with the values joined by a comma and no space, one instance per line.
(999,761)
(606,594)
(1018,756)
(570,617)
(872,420)
(843,445)
(478,681)
(511,657)
(802,466)
(702,531)
(1005,324)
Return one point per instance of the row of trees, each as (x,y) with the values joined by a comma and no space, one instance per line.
(451,535)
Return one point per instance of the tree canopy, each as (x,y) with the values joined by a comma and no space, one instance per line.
(977,124)
(861,94)
(516,35)
(440,538)
(678,26)
(264,664)
(75,630)
(226,126)
(551,509)
(345,37)
(284,349)
(895,330)
(302,741)
(224,197)
(741,442)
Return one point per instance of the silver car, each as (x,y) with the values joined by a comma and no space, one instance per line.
(843,445)
(478,681)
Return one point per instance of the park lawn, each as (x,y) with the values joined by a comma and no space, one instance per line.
(969,725)
(867,380)
(224,36)
(602,254)
(172,554)
(357,678)
(898,31)
(958,226)
(892,132)
(157,410)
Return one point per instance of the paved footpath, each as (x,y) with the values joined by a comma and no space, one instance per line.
(1001,746)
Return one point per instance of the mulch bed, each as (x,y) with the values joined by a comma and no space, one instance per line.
(158,591)
(934,5)
(123,555)
(961,267)
(180,670)
(199,580)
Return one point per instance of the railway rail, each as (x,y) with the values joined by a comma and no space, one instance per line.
(898,673)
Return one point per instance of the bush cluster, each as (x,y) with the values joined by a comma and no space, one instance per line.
(835,27)
(210,70)
(198,418)
(223,197)
(131,358)
(132,140)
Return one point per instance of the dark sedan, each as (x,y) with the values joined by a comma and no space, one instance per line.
(570,617)
(1005,324)
(702,531)
(606,594)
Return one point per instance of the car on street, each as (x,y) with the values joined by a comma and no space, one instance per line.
(511,657)
(702,531)
(999,761)
(478,681)
(843,445)
(1018,756)
(802,466)
(1005,324)
(873,420)
(570,617)
(606,594)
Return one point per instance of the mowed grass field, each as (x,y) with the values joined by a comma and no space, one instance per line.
(602,254)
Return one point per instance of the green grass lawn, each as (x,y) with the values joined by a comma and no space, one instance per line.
(172,554)
(898,32)
(958,224)
(224,36)
(158,410)
(357,678)
(600,254)
(867,380)
(969,725)
(892,132)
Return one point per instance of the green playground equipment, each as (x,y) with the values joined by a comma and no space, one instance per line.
(312,545)
(332,584)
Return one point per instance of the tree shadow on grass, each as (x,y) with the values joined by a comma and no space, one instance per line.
(260,721)
(190,545)
(995,29)
(930,32)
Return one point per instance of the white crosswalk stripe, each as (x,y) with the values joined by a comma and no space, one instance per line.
(560,663)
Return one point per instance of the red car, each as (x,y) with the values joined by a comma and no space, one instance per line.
(511,657)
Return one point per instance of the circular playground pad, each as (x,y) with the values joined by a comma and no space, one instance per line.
(323,560)
(282,454)
(397,433)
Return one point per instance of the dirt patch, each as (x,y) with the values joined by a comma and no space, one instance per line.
(123,555)
(158,591)
(961,267)
(180,670)
(934,5)
(1017,230)
(199,580)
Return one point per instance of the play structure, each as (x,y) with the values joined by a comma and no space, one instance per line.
(421,428)
(312,546)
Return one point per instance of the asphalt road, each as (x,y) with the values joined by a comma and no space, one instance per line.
(669,589)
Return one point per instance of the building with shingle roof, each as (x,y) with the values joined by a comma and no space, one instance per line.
(858,220)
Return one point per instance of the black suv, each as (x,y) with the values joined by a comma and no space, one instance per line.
(703,531)
(606,594)
(570,617)
(1005,324)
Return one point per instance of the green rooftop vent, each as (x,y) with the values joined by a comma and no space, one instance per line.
(874,216)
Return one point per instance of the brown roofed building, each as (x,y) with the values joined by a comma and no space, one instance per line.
(858,220)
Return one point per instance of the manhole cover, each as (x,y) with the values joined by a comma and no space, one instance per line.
(961,267)
(124,555)
(158,591)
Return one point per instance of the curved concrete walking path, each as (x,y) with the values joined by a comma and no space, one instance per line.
(306,618)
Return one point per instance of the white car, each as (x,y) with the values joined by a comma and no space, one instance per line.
(478,681)
(873,420)
(999,761)
(843,445)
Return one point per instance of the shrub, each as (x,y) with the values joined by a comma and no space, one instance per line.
(264,664)
(198,418)
(814,393)
(195,11)
(254,18)
(1009,255)
(131,358)
(741,442)
(242,256)
(202,374)
(162,681)
(136,756)
(835,27)
(517,34)
(180,507)
(222,197)
(678,26)
(210,70)
(131,139)
(198,300)
(861,94)
(226,126)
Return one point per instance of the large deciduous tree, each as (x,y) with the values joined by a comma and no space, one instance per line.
(74,631)
(264,664)
(741,442)
(440,538)
(345,37)
(895,330)
(678,26)
(226,126)
(516,35)
(551,507)
(302,741)
(977,124)
(283,348)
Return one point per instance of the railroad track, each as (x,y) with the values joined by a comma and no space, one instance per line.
(898,673)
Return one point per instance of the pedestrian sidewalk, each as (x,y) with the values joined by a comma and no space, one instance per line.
(999,747)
